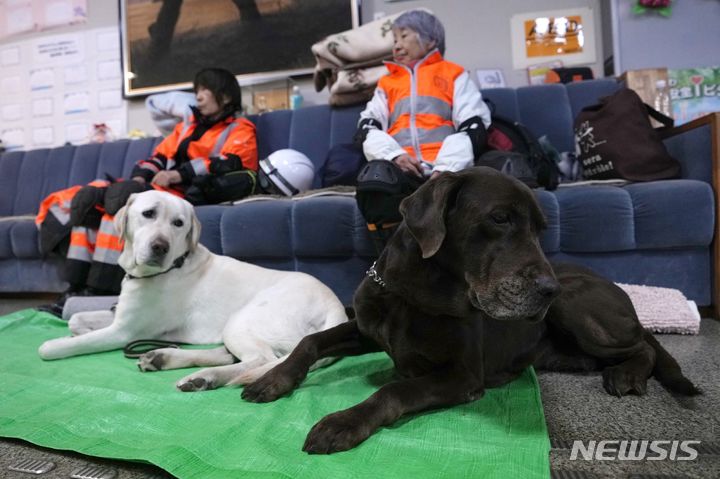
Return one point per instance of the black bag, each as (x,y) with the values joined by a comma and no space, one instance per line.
(342,165)
(515,151)
(213,189)
(614,139)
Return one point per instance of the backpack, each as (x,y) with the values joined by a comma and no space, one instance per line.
(514,150)
(342,165)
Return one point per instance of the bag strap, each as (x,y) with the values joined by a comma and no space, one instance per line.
(662,118)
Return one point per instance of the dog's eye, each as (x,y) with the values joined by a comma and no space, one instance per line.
(500,217)
(149,214)
(178,223)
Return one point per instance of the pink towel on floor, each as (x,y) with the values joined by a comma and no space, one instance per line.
(663,310)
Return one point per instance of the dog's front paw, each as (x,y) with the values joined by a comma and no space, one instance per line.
(54,349)
(151,361)
(193,384)
(336,432)
(269,387)
(619,382)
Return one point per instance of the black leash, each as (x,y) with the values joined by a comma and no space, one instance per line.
(135,349)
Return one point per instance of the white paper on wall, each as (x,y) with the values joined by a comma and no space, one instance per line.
(10,86)
(78,102)
(77,132)
(59,12)
(75,74)
(109,70)
(12,112)
(43,136)
(18,19)
(10,56)
(59,49)
(42,107)
(42,79)
(108,42)
(109,99)
(20,16)
(13,138)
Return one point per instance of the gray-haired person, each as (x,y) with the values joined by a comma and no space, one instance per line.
(426,116)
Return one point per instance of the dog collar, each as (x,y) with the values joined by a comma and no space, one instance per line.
(176,264)
(374,275)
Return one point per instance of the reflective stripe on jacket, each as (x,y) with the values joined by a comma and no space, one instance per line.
(420,104)
(58,203)
(234,136)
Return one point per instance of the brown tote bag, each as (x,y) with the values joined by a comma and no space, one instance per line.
(615,139)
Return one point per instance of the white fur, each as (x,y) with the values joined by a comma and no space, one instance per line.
(258,314)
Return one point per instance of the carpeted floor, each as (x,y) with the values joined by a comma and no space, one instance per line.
(576,408)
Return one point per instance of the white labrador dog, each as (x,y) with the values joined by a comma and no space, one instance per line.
(177,290)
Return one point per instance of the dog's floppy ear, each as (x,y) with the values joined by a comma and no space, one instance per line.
(121,217)
(193,236)
(424,211)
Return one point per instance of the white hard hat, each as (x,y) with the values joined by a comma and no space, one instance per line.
(288,171)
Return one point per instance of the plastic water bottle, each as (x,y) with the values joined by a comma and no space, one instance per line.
(662,98)
(296,98)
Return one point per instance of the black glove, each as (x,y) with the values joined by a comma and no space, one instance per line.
(118,193)
(82,207)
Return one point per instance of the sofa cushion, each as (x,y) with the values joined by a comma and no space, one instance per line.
(653,215)
(595,219)
(257,230)
(672,213)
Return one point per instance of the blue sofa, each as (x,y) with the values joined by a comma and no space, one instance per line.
(658,233)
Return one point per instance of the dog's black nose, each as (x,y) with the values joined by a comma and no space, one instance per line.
(160,247)
(547,286)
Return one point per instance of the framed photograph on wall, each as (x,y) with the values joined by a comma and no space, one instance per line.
(566,35)
(165,42)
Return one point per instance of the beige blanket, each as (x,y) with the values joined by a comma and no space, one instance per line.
(350,63)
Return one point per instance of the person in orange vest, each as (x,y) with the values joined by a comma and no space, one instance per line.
(192,162)
(425,117)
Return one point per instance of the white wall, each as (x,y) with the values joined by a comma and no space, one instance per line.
(688,38)
(477,32)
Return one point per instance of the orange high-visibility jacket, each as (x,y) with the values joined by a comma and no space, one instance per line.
(418,111)
(423,125)
(193,149)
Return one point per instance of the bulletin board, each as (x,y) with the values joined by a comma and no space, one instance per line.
(564,35)
(54,88)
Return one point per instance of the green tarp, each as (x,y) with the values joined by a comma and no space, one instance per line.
(101,405)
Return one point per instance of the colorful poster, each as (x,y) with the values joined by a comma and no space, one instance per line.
(564,35)
(548,36)
(694,92)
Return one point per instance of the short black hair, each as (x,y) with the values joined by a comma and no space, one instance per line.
(222,84)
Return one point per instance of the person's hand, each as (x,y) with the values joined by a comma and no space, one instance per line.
(435,174)
(139,179)
(166,178)
(409,164)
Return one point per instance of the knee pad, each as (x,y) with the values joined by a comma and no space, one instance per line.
(82,207)
(382,185)
(475,130)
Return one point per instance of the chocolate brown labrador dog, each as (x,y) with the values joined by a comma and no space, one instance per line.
(463,299)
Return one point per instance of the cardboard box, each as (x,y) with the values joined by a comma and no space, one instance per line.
(269,99)
(644,82)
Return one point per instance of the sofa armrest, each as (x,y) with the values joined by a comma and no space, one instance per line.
(695,145)
(697,148)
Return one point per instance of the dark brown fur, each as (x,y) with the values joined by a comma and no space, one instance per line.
(469,302)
